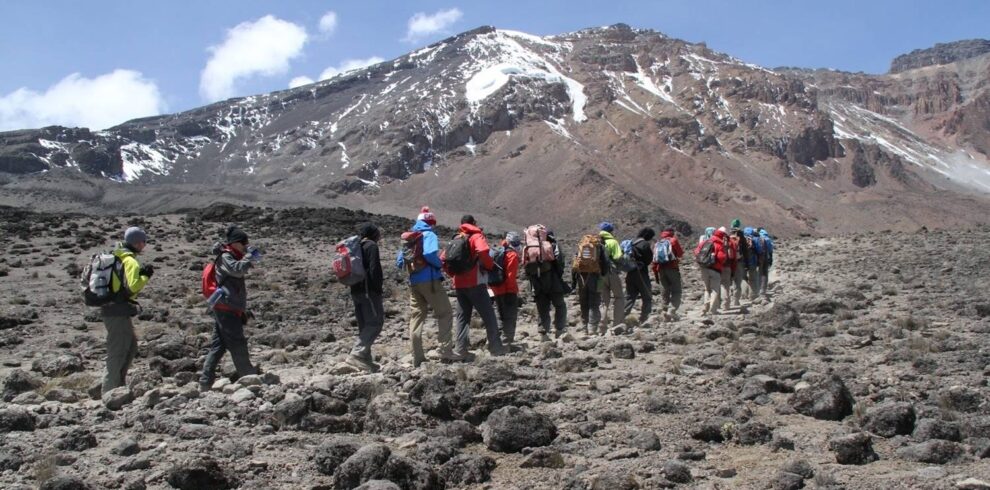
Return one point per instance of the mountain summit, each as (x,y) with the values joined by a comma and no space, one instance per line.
(610,122)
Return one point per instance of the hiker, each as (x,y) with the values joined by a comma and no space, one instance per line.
(233,260)
(588,268)
(466,259)
(369,310)
(707,235)
(753,262)
(711,256)
(421,258)
(612,292)
(121,341)
(506,287)
(638,284)
(549,289)
(766,260)
(731,255)
(740,266)
(667,254)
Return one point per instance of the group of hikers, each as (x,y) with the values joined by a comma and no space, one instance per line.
(604,272)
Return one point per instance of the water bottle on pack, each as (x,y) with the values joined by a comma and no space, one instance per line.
(220,293)
(254,255)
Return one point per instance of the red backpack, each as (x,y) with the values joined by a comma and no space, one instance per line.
(210,284)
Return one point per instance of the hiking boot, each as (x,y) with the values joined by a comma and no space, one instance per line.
(365,365)
(461,357)
(544,337)
(498,352)
(205,387)
(674,316)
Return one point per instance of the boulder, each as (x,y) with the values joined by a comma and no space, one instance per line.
(367,463)
(117,398)
(828,399)
(467,469)
(676,471)
(18,382)
(330,454)
(543,457)
(926,429)
(934,451)
(65,482)
(15,419)
(623,350)
(290,410)
(853,449)
(199,473)
(55,366)
(890,419)
(510,429)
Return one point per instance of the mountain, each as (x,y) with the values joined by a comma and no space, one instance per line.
(605,123)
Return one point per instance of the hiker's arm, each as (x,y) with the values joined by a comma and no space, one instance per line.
(232,267)
(398,260)
(431,250)
(481,246)
(132,274)
(375,273)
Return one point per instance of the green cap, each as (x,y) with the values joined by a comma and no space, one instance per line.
(736,223)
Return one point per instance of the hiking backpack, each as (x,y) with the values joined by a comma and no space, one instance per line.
(498,274)
(586,260)
(627,263)
(412,252)
(663,252)
(766,251)
(209,283)
(705,254)
(457,255)
(732,251)
(97,277)
(537,247)
(348,264)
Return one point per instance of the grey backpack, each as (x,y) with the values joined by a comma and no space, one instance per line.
(96,280)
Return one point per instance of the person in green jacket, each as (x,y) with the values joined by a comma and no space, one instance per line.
(121,341)
(612,280)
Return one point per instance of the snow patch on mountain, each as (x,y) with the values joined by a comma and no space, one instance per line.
(139,158)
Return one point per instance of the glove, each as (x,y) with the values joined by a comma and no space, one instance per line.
(254,253)
(147,270)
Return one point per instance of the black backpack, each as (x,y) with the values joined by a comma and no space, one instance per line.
(706,254)
(497,275)
(457,254)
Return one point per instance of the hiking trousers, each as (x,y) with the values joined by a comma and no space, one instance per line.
(370,314)
(476,298)
(544,301)
(753,280)
(422,297)
(726,283)
(639,285)
(121,349)
(613,294)
(738,281)
(508,312)
(764,278)
(228,335)
(590,300)
(670,285)
(713,283)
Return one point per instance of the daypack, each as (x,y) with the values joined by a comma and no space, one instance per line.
(663,252)
(753,248)
(498,274)
(537,247)
(209,282)
(412,252)
(705,254)
(457,255)
(732,251)
(766,251)
(588,252)
(348,264)
(627,263)
(96,280)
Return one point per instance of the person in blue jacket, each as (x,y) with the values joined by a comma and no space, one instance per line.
(752,262)
(765,259)
(420,256)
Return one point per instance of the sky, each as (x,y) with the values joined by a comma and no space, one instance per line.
(101,62)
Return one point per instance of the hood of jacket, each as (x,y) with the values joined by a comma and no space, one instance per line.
(606,235)
(719,234)
(469,229)
(122,251)
(749,231)
(764,233)
(219,248)
(422,226)
(667,234)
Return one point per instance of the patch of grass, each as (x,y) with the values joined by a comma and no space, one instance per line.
(45,468)
(911,323)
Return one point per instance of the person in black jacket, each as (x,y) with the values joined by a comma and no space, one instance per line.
(549,289)
(367,295)
(638,284)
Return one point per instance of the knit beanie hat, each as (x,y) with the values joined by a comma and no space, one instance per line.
(513,239)
(426,216)
(369,231)
(467,218)
(235,234)
(606,226)
(135,235)
(736,224)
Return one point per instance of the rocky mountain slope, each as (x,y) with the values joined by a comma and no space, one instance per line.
(611,122)
(866,369)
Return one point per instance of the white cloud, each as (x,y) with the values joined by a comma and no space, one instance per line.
(328,23)
(300,81)
(262,47)
(349,65)
(96,103)
(422,25)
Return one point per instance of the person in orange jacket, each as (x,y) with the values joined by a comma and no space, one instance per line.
(668,272)
(507,292)
(713,273)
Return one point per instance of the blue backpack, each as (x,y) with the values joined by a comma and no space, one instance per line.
(663,252)
(627,263)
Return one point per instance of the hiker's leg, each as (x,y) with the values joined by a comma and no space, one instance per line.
(217,349)
(646,292)
(542,301)
(618,299)
(632,292)
(464,309)
(674,279)
(483,303)
(120,336)
(419,308)
(559,312)
(232,332)
(726,287)
(437,297)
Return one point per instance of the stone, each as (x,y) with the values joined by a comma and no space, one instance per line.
(242,395)
(926,429)
(676,471)
(117,398)
(934,451)
(17,382)
(717,429)
(250,380)
(890,419)
(410,474)
(510,429)
(436,451)
(543,457)
(76,440)
(65,482)
(378,485)
(199,473)
(644,440)
(784,480)
(615,480)
(16,419)
(961,399)
(467,469)
(367,463)
(62,395)
(623,350)
(828,399)
(10,460)
(460,431)
(58,365)
(657,404)
(972,484)
(853,449)
(126,447)
(752,433)
(290,410)
(799,467)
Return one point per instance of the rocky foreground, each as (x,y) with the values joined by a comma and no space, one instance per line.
(867,368)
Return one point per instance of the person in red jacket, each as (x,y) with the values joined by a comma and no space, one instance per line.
(471,290)
(668,274)
(713,274)
(507,292)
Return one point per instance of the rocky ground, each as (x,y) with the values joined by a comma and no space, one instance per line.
(867,368)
